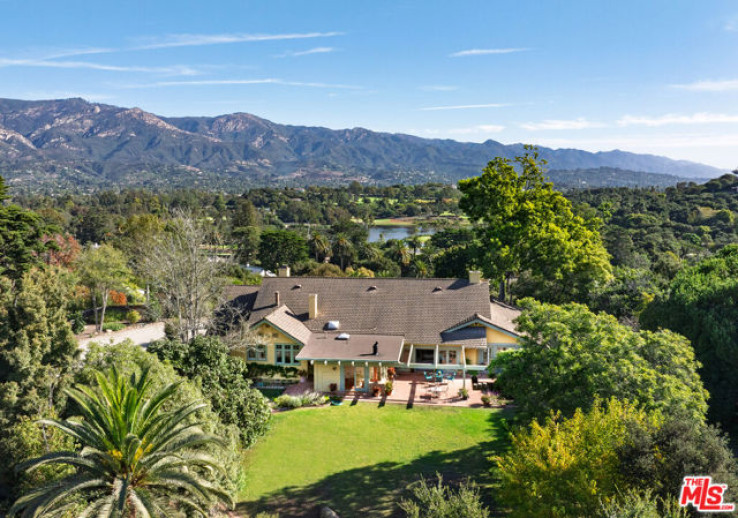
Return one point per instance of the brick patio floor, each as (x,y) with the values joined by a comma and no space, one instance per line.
(411,389)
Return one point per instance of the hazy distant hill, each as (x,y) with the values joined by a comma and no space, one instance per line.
(613,177)
(74,143)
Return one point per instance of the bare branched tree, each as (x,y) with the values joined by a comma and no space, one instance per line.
(183,262)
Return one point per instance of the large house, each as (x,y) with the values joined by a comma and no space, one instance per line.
(347,332)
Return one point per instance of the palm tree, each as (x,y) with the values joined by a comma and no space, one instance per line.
(399,252)
(136,459)
(320,245)
(344,249)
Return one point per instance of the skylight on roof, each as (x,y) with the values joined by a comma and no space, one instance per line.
(332,325)
(343,336)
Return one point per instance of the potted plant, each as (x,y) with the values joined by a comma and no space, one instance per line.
(391,373)
(388,388)
(487,400)
(463,393)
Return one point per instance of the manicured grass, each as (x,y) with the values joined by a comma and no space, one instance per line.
(358,459)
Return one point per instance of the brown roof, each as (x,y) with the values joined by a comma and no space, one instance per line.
(419,309)
(503,316)
(284,319)
(242,297)
(326,346)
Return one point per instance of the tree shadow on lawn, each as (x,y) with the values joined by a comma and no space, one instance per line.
(376,490)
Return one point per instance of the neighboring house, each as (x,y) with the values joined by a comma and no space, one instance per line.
(349,331)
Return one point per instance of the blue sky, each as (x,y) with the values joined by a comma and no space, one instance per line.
(646,76)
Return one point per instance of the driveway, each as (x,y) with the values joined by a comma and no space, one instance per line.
(140,335)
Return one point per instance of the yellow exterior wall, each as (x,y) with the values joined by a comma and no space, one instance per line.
(324,375)
(271,335)
(496,337)
(471,356)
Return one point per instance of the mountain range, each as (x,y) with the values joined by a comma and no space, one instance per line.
(72,143)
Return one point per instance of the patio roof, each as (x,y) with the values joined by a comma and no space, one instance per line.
(327,346)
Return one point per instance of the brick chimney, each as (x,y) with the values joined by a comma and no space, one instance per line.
(313,306)
(475,277)
(276,298)
(283,271)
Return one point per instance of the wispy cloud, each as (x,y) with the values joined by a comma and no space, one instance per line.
(464,107)
(316,50)
(439,88)
(485,52)
(556,124)
(481,128)
(669,119)
(47,63)
(732,24)
(246,82)
(710,85)
(197,40)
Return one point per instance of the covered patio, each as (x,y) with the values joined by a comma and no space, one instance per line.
(411,388)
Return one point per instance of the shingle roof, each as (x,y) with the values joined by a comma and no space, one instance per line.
(242,297)
(419,309)
(467,336)
(283,318)
(326,346)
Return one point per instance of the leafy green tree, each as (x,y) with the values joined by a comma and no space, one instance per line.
(568,356)
(525,226)
(440,501)
(566,468)
(658,458)
(702,304)
(278,247)
(21,237)
(135,458)
(102,269)
(223,379)
(37,351)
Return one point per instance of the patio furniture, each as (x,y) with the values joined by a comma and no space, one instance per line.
(439,377)
(435,390)
(428,376)
(451,376)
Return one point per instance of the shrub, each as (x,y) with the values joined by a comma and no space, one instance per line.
(439,501)
(568,467)
(463,393)
(133,316)
(287,401)
(634,504)
(305,399)
(487,400)
(660,457)
(78,322)
(223,380)
(153,311)
(117,298)
(113,326)
(312,399)
(388,388)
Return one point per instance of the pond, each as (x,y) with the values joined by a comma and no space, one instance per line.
(395,232)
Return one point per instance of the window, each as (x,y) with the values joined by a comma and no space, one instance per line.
(257,353)
(284,354)
(424,356)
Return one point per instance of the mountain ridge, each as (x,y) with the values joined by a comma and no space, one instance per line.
(84,143)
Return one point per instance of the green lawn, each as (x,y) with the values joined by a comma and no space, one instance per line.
(358,459)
